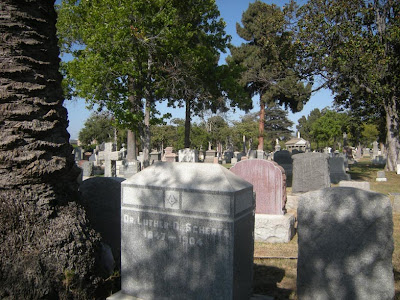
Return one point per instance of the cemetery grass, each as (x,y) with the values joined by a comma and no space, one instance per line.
(275,265)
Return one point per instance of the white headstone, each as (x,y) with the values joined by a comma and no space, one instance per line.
(110,156)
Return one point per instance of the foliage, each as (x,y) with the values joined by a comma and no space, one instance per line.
(218,130)
(247,127)
(369,134)
(354,47)
(328,129)
(277,125)
(125,52)
(173,135)
(305,123)
(98,127)
(268,60)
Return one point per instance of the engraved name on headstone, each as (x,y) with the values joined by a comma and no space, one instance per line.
(187,233)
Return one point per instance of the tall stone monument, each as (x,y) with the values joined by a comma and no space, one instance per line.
(187,233)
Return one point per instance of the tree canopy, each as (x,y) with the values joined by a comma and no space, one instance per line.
(354,46)
(126,51)
(98,127)
(268,60)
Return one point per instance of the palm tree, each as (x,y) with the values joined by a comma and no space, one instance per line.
(46,248)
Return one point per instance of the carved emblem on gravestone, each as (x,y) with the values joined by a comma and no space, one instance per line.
(172,199)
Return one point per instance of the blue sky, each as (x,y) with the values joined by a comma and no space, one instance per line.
(231,11)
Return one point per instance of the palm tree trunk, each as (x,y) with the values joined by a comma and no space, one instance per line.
(44,232)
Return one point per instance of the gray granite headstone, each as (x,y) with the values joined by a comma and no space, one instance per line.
(284,159)
(210,156)
(337,169)
(252,154)
(381,176)
(101,198)
(78,154)
(345,245)
(374,149)
(155,156)
(87,167)
(187,233)
(310,172)
(364,185)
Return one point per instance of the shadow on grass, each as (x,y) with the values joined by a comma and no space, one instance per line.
(396,279)
(266,279)
(363,171)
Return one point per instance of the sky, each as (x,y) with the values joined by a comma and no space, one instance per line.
(231,11)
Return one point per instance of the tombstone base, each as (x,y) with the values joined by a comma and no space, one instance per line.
(381,179)
(121,296)
(364,185)
(130,168)
(274,228)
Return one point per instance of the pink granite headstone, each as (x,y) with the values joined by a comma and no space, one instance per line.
(269,184)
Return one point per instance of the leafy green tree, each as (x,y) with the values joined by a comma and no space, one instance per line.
(306,123)
(354,46)
(277,125)
(200,136)
(163,136)
(268,60)
(369,133)
(328,129)
(245,130)
(125,49)
(98,127)
(218,130)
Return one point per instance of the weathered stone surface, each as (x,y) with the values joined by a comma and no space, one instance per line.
(188,155)
(337,169)
(381,176)
(274,228)
(101,198)
(210,156)
(396,202)
(364,185)
(345,245)
(269,184)
(187,233)
(310,172)
(87,168)
(284,159)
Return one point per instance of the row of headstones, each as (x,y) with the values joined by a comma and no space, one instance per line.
(312,169)
(187,233)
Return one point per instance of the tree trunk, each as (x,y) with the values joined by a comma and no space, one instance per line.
(131,146)
(147,109)
(392,134)
(187,123)
(44,232)
(146,135)
(131,135)
(261,124)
